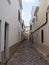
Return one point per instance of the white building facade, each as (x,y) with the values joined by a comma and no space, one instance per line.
(10,24)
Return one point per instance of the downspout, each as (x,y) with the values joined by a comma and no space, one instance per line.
(43,24)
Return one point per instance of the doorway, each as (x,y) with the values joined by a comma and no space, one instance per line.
(6,42)
(48,40)
(0,40)
(36,39)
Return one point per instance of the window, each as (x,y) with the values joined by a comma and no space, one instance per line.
(30,27)
(22,25)
(19,15)
(42,36)
(46,16)
(36,17)
(33,22)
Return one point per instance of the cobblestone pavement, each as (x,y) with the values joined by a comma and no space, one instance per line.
(27,55)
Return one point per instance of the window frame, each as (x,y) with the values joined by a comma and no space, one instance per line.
(19,15)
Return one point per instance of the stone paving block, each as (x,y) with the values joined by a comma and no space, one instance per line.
(27,55)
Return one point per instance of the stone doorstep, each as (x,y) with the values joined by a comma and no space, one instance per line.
(42,54)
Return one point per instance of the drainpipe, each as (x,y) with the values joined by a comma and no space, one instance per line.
(44,23)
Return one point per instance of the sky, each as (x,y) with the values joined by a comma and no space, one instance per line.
(26,11)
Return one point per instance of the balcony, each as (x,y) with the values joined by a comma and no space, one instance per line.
(34,10)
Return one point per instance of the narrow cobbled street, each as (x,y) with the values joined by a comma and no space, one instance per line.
(27,55)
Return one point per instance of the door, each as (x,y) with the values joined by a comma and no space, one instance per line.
(6,42)
(0,40)
(32,39)
(37,39)
(18,36)
(48,39)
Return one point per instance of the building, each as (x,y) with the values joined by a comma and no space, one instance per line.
(10,27)
(26,32)
(40,31)
(23,26)
(31,30)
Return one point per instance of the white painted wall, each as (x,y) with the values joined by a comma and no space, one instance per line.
(9,13)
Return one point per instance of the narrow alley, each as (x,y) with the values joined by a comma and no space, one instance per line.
(27,55)
(24,32)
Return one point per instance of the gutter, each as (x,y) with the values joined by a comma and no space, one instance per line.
(43,24)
